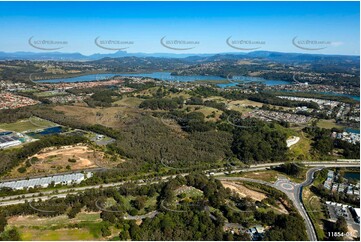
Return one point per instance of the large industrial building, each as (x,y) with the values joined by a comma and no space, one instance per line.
(67,179)
(8,139)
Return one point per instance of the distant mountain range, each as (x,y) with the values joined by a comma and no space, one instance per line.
(80,57)
(270,55)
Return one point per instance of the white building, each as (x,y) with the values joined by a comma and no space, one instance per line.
(10,144)
(44,182)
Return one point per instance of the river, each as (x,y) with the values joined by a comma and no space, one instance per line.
(166,76)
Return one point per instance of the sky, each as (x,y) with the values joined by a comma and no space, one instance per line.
(303,27)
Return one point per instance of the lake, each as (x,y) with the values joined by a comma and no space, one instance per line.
(352,175)
(355,131)
(166,76)
(47,131)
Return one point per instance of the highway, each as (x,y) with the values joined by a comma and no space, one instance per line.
(257,167)
(295,194)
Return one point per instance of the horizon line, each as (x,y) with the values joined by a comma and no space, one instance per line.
(171,53)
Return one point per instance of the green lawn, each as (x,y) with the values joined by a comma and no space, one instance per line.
(29,124)
(301,150)
(328,124)
(59,234)
(56,228)
(268,175)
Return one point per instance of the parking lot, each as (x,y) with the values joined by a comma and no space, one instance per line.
(338,210)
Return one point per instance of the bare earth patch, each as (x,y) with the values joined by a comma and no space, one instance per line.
(57,159)
(243,191)
(83,155)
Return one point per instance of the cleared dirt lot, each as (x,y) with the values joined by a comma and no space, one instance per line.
(83,155)
(257,196)
(243,191)
(61,159)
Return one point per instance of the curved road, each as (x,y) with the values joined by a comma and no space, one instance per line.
(294,193)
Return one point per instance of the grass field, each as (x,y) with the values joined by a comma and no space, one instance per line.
(30,124)
(56,235)
(268,175)
(271,175)
(85,226)
(301,150)
(242,105)
(328,124)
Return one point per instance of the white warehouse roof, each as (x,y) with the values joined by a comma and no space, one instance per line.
(44,181)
